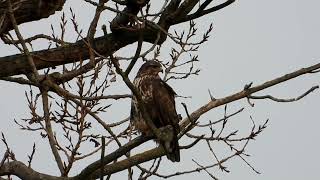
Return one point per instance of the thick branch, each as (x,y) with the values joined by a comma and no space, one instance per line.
(94,167)
(22,171)
(132,161)
(23,43)
(28,10)
(105,45)
(127,16)
(158,152)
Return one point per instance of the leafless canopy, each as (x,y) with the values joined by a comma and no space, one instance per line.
(68,101)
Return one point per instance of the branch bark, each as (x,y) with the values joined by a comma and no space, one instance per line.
(93,170)
(22,171)
(201,12)
(245,93)
(159,151)
(105,45)
(27,11)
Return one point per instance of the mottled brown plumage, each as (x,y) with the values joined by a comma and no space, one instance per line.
(158,98)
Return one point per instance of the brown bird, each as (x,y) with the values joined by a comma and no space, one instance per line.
(158,98)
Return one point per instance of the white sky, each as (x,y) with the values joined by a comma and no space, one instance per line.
(252,41)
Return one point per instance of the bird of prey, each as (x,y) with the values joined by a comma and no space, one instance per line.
(158,98)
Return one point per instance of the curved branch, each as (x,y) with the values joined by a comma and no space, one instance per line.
(95,166)
(200,13)
(132,161)
(105,45)
(22,171)
(285,100)
(245,93)
(27,11)
(159,151)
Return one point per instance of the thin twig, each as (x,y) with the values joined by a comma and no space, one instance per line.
(285,100)
(32,154)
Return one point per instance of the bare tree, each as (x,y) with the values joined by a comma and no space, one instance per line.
(69,99)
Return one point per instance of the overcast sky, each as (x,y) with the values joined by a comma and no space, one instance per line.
(252,41)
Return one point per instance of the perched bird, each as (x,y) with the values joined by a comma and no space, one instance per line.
(158,98)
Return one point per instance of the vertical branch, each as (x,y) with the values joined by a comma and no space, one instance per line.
(32,154)
(44,93)
(52,141)
(94,22)
(103,144)
(5,156)
(23,43)
(80,132)
(136,56)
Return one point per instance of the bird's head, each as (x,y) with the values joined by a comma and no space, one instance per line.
(150,68)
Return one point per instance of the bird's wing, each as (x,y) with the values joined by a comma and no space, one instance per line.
(163,97)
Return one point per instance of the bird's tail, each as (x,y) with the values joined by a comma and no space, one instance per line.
(173,152)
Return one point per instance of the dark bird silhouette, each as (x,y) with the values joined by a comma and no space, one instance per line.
(158,98)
